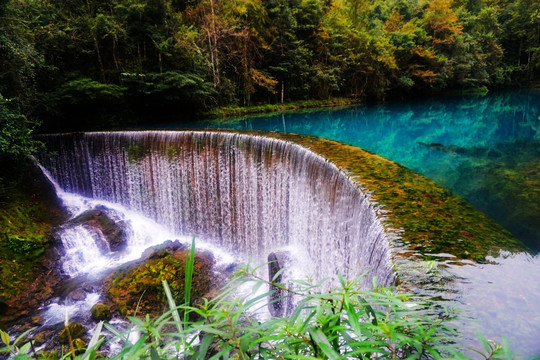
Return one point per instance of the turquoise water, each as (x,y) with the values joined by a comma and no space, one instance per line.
(484,148)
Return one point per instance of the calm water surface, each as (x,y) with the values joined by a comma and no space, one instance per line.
(484,148)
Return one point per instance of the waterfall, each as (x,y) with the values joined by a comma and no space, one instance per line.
(82,251)
(247,194)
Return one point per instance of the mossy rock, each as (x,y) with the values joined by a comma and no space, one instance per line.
(49,355)
(75,331)
(138,286)
(113,231)
(29,212)
(100,312)
(79,345)
(43,337)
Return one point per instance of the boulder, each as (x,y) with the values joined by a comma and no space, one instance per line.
(280,300)
(100,312)
(137,286)
(113,231)
(75,331)
(43,337)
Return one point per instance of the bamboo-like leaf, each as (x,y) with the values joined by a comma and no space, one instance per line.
(5,337)
(324,344)
(203,347)
(154,354)
(369,310)
(94,344)
(172,306)
(190,263)
(115,331)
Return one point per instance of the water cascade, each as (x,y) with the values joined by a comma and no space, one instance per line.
(247,194)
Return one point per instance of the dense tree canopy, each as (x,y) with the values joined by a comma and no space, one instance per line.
(98,63)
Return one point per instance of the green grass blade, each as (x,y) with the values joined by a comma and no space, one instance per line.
(172,306)
(190,263)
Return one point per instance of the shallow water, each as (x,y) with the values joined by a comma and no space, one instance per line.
(484,148)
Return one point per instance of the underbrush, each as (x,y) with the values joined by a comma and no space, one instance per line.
(346,323)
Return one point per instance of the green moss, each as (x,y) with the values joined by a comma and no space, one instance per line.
(433,219)
(135,153)
(27,216)
(141,285)
(73,331)
(101,312)
(233,111)
(171,152)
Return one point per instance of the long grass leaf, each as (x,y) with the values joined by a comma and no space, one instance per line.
(324,344)
(190,263)
(172,307)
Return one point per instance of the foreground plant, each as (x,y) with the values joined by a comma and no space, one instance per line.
(347,323)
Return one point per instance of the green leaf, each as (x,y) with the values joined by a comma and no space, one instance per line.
(203,347)
(21,357)
(322,342)
(24,349)
(172,306)
(154,354)
(5,337)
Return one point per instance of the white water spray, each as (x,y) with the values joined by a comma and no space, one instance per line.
(249,195)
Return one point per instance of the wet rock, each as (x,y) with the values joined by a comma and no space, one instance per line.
(73,331)
(47,282)
(3,308)
(113,231)
(38,320)
(100,312)
(43,337)
(77,295)
(159,251)
(49,355)
(139,283)
(280,301)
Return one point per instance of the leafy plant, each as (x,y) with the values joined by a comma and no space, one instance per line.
(347,323)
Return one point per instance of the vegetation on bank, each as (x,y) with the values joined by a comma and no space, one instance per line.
(116,63)
(28,213)
(236,111)
(344,323)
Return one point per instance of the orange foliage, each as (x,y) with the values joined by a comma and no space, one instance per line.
(394,22)
(443,21)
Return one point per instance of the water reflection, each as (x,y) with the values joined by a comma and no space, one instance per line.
(484,148)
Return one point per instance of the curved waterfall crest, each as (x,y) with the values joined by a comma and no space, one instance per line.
(249,194)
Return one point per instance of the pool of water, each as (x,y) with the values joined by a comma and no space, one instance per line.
(484,148)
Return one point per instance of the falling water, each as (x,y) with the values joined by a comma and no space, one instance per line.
(248,194)
(81,254)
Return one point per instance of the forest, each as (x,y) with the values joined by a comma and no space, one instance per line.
(96,64)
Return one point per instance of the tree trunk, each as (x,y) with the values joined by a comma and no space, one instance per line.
(100,60)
